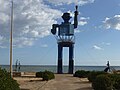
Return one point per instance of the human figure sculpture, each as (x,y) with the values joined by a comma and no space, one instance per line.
(65,38)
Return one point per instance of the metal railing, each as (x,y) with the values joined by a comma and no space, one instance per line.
(66,39)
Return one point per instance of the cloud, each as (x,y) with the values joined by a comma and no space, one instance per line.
(3,47)
(79,2)
(3,42)
(3,18)
(32,20)
(101,46)
(83,21)
(83,2)
(4,11)
(23,41)
(107,44)
(1,38)
(77,31)
(112,23)
(96,47)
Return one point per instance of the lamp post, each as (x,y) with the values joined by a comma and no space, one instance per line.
(11,38)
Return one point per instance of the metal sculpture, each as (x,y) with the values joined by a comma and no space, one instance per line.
(65,38)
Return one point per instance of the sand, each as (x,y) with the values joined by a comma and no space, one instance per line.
(61,82)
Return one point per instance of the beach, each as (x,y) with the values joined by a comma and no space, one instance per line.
(61,82)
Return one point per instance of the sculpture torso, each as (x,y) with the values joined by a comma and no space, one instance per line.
(66,29)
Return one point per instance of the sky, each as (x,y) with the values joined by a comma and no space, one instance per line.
(96,38)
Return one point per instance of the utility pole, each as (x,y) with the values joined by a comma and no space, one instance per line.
(11,38)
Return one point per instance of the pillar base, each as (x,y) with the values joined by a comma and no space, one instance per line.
(71,66)
(59,68)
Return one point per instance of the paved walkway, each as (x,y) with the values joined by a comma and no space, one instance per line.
(61,82)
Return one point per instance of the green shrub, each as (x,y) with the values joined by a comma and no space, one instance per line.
(39,74)
(102,82)
(93,74)
(7,82)
(115,78)
(116,85)
(46,75)
(81,74)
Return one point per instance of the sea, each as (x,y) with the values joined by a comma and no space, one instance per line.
(53,68)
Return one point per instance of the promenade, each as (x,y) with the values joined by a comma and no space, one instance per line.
(61,82)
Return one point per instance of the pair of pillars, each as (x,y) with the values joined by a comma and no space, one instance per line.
(60,56)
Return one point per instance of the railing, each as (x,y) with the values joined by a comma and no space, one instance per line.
(66,39)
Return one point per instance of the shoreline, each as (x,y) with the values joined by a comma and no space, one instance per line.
(54,68)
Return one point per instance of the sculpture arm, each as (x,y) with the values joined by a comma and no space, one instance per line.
(53,30)
(76,18)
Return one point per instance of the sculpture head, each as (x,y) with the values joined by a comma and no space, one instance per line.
(66,17)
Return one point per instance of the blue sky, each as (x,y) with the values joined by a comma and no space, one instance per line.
(97,36)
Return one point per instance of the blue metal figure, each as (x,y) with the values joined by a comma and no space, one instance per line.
(65,38)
